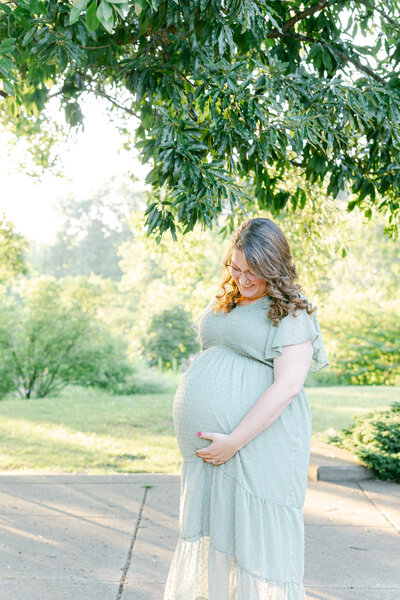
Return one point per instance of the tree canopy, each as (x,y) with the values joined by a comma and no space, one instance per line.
(232,97)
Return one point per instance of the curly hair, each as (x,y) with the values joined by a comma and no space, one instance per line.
(268,255)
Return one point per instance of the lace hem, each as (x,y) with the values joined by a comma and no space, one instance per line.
(199,571)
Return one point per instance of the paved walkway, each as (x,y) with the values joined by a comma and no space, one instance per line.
(66,537)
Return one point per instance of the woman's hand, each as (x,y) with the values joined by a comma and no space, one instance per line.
(221,449)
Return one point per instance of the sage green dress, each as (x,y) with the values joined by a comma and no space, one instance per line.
(241,527)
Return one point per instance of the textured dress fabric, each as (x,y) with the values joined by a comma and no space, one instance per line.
(241,526)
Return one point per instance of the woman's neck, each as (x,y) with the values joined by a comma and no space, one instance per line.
(252,299)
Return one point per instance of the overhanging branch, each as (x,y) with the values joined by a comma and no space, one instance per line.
(342,55)
(305,13)
(380,11)
(114,102)
(321,5)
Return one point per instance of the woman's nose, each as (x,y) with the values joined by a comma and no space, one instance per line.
(243,278)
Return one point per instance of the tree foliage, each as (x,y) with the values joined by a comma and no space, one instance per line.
(170,337)
(87,242)
(13,247)
(224,92)
(48,341)
(363,344)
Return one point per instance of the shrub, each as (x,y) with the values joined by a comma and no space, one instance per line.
(375,439)
(46,344)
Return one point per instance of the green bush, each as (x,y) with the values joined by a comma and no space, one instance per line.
(375,439)
(47,343)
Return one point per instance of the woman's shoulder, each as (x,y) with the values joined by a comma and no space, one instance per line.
(310,303)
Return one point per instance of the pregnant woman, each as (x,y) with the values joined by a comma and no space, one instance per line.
(243,426)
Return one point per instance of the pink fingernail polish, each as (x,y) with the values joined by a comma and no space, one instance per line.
(199,433)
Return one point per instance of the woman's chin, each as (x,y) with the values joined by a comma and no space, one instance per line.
(248,292)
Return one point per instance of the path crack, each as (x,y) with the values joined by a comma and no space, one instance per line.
(130,551)
(381,510)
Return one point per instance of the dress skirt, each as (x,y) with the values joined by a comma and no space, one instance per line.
(241,527)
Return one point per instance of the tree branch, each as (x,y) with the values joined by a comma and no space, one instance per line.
(358,65)
(339,53)
(342,55)
(305,13)
(380,11)
(321,5)
(114,102)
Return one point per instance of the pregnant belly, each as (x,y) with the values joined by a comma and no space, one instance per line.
(214,394)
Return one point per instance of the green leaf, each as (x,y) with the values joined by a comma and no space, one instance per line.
(8,87)
(78,7)
(7,46)
(92,21)
(106,16)
(315,49)
(28,37)
(122,9)
(229,37)
(151,175)
(327,60)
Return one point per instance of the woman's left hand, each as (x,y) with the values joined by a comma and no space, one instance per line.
(221,449)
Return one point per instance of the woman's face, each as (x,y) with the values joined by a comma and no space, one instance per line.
(249,285)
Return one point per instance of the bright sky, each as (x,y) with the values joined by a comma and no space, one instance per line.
(88,163)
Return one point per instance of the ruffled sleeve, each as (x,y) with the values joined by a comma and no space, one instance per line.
(296,330)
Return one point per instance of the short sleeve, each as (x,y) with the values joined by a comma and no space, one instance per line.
(296,330)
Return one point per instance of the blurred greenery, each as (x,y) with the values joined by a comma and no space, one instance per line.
(13,248)
(365,343)
(169,338)
(87,430)
(47,340)
(90,233)
(346,265)
(333,408)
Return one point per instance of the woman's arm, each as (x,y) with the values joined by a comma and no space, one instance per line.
(290,371)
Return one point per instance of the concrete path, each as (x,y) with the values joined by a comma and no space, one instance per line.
(79,537)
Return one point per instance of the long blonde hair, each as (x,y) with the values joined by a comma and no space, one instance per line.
(268,256)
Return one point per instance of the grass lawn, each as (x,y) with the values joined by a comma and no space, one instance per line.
(88,431)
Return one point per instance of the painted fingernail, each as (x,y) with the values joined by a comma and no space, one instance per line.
(199,433)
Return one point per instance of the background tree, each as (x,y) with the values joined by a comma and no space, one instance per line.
(223,91)
(48,341)
(170,338)
(92,231)
(13,248)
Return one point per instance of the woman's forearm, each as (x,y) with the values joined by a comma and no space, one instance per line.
(262,414)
